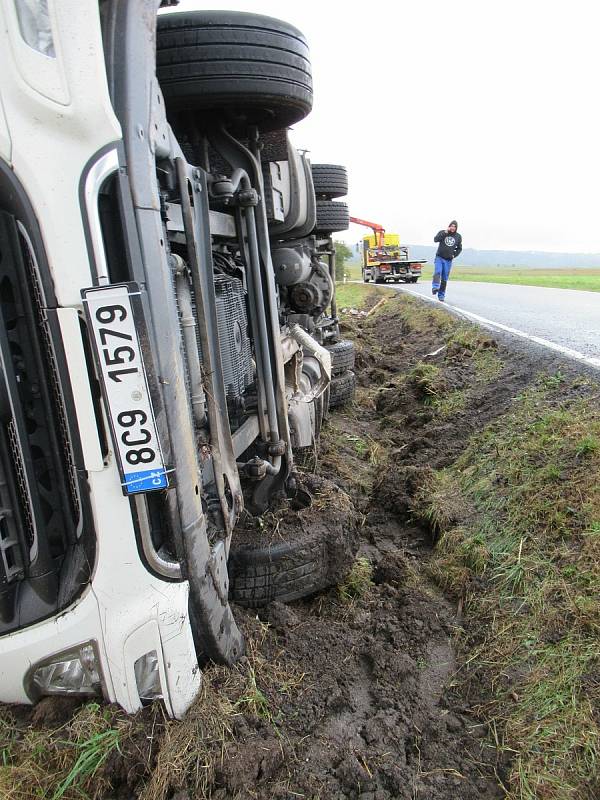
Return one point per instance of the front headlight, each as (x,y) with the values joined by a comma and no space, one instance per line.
(34,24)
(72,672)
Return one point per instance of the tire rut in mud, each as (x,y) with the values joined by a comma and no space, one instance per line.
(377,717)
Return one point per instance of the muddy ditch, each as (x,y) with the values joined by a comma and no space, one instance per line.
(357,692)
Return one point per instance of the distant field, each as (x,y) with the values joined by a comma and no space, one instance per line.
(353,271)
(587,279)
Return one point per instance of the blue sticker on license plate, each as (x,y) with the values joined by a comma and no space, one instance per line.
(145,481)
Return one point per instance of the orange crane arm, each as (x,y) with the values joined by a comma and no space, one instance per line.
(377,229)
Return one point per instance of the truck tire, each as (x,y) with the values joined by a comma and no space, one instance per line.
(315,556)
(342,356)
(341,389)
(332,216)
(330,180)
(285,571)
(248,68)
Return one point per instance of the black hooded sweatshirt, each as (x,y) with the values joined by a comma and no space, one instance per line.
(450,244)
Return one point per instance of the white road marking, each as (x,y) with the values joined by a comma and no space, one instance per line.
(567,351)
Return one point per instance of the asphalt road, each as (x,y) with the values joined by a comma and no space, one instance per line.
(565,320)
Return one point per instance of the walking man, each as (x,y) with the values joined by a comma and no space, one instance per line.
(449,247)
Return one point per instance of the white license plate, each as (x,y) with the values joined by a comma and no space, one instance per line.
(115,338)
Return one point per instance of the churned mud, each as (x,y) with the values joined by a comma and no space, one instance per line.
(352,693)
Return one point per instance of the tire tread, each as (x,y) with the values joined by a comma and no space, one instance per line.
(242,66)
(342,389)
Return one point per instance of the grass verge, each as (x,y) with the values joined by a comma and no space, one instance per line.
(70,761)
(357,295)
(525,560)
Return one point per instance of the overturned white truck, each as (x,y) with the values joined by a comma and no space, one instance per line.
(168,336)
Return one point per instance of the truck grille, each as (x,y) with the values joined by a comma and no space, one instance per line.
(54,384)
(11,559)
(40,507)
(21,483)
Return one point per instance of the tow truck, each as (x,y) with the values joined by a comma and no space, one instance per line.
(384,258)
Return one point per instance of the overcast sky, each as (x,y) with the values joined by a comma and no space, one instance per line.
(486,112)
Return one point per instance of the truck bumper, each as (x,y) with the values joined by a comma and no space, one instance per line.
(127,615)
(149,631)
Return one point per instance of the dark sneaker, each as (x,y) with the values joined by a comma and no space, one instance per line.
(434,291)
(441,299)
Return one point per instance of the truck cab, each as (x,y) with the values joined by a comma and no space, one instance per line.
(166,327)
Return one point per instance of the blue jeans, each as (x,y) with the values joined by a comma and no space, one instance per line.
(441,273)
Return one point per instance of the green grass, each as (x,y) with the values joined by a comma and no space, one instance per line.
(427,380)
(63,763)
(368,449)
(355,295)
(519,519)
(254,700)
(353,270)
(358,582)
(488,366)
(421,318)
(585,279)
(92,753)
(450,403)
